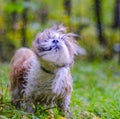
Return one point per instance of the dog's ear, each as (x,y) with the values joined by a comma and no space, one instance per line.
(79,50)
(36,43)
(73,45)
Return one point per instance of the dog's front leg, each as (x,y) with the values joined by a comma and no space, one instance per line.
(30,106)
(64,106)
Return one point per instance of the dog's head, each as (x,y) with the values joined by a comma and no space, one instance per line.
(54,46)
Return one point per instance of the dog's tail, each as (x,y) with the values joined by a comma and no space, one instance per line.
(19,66)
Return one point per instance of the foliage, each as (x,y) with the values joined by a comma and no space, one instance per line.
(45,13)
(95,51)
(91,44)
(96,85)
(96,93)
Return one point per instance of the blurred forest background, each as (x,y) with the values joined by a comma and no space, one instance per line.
(97,22)
(96,84)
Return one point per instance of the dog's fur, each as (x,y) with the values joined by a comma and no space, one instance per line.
(43,75)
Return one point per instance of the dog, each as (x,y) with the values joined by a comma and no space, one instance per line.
(42,74)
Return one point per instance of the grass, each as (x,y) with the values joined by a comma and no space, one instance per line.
(96,93)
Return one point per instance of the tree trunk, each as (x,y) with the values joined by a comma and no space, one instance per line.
(43,13)
(67,7)
(116,19)
(14,16)
(99,22)
(24,26)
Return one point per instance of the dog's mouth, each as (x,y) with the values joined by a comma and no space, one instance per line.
(54,47)
(43,49)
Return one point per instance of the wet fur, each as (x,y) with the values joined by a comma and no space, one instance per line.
(30,83)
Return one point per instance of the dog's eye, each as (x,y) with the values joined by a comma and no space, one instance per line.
(46,40)
(37,41)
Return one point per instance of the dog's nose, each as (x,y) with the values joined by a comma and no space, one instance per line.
(55,41)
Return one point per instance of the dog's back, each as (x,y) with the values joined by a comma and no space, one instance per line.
(20,66)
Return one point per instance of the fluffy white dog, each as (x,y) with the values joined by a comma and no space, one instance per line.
(43,74)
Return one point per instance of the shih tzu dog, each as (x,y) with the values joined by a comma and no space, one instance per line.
(43,74)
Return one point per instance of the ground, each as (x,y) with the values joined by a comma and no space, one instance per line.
(96,93)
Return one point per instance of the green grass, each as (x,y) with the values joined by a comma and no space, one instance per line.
(96,93)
